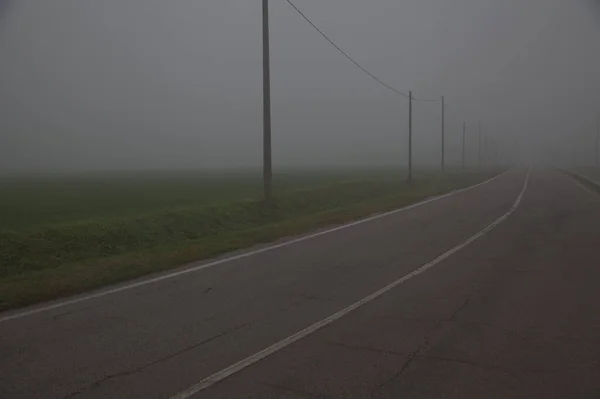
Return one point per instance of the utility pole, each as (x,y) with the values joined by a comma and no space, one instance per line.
(479,146)
(443,136)
(485,150)
(267,159)
(497,150)
(597,141)
(410,137)
(463,144)
(492,151)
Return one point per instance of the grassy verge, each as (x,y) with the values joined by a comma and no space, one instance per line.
(50,261)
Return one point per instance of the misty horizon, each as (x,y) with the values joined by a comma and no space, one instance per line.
(142,85)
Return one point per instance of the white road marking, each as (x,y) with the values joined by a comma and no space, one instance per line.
(194,269)
(242,364)
(594,193)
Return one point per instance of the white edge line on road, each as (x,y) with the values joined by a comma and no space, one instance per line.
(193,269)
(250,360)
(570,174)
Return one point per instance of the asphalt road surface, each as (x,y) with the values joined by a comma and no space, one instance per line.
(511,309)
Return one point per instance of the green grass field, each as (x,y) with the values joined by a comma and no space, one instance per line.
(64,235)
(38,201)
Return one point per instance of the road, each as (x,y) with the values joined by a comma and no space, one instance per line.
(510,310)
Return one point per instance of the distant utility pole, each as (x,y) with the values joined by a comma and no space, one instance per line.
(479,145)
(485,150)
(443,135)
(492,151)
(495,152)
(597,141)
(267,159)
(410,98)
(463,144)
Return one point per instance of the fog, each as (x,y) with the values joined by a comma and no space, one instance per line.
(151,84)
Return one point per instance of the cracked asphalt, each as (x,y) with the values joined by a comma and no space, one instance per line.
(513,315)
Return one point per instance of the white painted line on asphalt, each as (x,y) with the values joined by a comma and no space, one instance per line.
(250,360)
(594,193)
(194,269)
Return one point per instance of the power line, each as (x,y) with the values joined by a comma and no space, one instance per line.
(427,100)
(338,48)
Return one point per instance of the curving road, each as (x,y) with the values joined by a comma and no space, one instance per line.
(510,310)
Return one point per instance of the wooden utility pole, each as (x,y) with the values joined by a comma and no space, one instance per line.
(597,142)
(410,136)
(443,136)
(463,144)
(485,150)
(479,146)
(267,159)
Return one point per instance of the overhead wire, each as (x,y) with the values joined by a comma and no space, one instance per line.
(427,100)
(356,63)
(338,48)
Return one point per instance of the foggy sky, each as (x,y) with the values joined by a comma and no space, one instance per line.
(150,84)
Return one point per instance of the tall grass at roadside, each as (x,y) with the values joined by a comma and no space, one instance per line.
(45,259)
